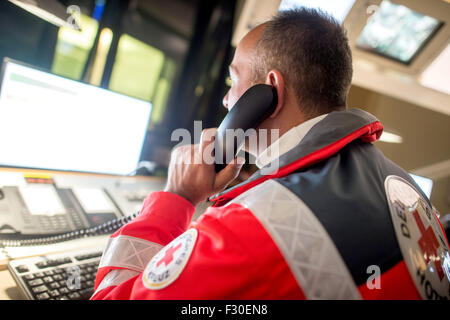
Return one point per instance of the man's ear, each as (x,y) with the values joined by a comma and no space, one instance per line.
(276,79)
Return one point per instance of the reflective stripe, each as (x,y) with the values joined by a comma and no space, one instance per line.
(128,252)
(114,278)
(304,243)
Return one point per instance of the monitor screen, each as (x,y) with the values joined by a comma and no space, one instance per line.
(426,184)
(50,122)
(397,32)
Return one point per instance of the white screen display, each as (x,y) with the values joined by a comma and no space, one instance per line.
(426,184)
(42,200)
(93,200)
(50,122)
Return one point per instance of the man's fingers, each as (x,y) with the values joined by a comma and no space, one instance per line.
(207,136)
(207,145)
(228,174)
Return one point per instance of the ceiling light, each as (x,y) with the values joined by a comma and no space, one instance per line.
(390,137)
(436,76)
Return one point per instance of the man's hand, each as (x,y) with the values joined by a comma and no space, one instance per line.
(191,170)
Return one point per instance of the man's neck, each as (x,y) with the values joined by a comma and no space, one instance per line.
(276,128)
(287,141)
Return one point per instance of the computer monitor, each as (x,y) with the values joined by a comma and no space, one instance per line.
(50,122)
(426,184)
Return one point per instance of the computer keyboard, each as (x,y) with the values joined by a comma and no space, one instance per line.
(64,276)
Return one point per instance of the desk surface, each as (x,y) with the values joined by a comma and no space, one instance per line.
(8,288)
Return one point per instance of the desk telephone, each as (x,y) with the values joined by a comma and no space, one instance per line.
(37,214)
(69,215)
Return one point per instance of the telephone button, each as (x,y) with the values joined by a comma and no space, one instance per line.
(22,268)
(57,277)
(43,296)
(64,290)
(48,279)
(28,277)
(59,270)
(55,285)
(40,289)
(41,264)
(54,293)
(35,282)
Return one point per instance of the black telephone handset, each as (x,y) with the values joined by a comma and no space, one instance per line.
(252,108)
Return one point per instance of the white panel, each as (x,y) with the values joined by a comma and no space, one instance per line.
(129,252)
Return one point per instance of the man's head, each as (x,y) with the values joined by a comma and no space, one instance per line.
(304,53)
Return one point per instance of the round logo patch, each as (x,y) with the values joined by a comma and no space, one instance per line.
(421,239)
(165,267)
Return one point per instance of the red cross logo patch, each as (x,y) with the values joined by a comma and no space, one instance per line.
(166,266)
(429,244)
(168,255)
(421,239)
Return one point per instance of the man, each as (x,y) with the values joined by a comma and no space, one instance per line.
(331,223)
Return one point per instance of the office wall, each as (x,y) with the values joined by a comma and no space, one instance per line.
(425,133)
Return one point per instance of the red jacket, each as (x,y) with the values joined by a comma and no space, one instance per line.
(315,229)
